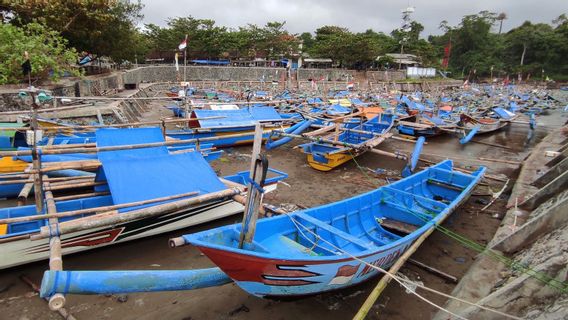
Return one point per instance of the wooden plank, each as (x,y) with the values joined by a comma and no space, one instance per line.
(97,209)
(398,226)
(434,271)
(254,197)
(113,218)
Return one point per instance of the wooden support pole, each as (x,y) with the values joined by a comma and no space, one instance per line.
(254,196)
(81,195)
(66,315)
(98,209)
(368,304)
(28,186)
(60,150)
(491,144)
(57,301)
(435,271)
(75,185)
(112,217)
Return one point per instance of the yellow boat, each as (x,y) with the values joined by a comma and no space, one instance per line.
(331,160)
(345,144)
(10,165)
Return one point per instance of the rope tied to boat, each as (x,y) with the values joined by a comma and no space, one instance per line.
(481,249)
(255,185)
(404,282)
(54,227)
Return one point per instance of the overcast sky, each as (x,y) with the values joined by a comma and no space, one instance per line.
(357,15)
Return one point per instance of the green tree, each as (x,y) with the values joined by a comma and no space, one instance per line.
(474,47)
(49,54)
(530,47)
(103,27)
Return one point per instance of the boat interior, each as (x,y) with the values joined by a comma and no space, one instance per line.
(354,225)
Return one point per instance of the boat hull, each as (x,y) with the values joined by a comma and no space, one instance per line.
(285,278)
(328,162)
(339,244)
(24,251)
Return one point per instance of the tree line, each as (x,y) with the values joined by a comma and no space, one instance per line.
(64,29)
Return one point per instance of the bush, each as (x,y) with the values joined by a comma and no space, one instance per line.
(49,55)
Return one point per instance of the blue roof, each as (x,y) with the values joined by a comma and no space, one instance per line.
(148,173)
(213,62)
(236,118)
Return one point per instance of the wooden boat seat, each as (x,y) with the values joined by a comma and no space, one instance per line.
(445,184)
(335,231)
(417,197)
(284,246)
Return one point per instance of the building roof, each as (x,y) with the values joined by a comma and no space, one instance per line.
(402,58)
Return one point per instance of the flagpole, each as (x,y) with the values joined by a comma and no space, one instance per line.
(185,59)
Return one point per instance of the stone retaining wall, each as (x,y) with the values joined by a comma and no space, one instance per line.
(168,73)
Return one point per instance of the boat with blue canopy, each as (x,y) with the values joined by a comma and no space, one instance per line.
(126,181)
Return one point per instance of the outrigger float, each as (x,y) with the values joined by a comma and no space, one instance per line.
(299,253)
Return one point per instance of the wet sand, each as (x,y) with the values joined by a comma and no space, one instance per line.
(307,187)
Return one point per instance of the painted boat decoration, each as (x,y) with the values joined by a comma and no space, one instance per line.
(130,177)
(300,253)
(325,156)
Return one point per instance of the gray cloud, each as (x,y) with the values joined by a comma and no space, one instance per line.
(357,15)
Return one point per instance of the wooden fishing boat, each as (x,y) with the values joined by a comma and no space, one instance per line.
(220,123)
(325,156)
(129,181)
(420,125)
(336,245)
(480,125)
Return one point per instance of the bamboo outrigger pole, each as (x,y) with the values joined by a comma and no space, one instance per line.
(368,304)
(55,255)
(53,150)
(97,209)
(112,217)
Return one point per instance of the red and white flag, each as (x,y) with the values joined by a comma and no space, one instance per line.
(183,44)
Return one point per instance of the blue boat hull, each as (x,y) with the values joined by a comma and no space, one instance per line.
(336,245)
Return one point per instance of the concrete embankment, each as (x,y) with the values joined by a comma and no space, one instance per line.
(531,281)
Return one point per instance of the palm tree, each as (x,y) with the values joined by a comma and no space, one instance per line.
(502,16)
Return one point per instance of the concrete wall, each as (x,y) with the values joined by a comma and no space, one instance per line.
(326,74)
(341,75)
(379,76)
(168,73)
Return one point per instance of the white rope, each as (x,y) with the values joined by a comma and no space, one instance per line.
(399,279)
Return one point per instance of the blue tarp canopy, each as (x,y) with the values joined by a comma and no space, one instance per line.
(7,137)
(214,62)
(502,113)
(358,102)
(337,109)
(236,118)
(314,100)
(148,173)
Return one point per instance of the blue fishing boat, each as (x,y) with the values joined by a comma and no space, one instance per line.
(219,123)
(336,245)
(126,177)
(304,252)
(325,156)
